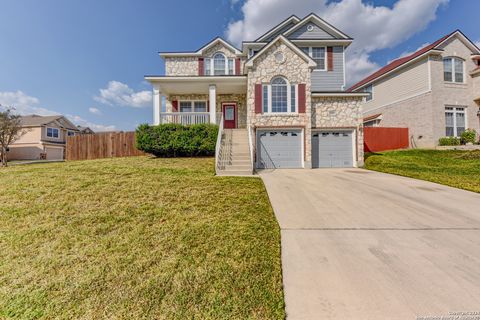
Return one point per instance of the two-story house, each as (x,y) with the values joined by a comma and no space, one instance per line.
(44,138)
(434,92)
(280,101)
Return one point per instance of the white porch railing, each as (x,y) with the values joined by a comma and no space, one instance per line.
(219,150)
(185,118)
(250,146)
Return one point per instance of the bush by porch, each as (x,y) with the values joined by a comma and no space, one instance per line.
(176,140)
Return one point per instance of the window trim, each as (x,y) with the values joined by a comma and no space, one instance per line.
(289,98)
(371,93)
(453,58)
(52,137)
(210,61)
(455,111)
(192,105)
(70,133)
(310,54)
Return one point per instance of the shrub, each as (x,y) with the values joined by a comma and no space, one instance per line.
(469,135)
(449,141)
(175,140)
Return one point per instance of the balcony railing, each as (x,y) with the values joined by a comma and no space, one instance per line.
(185,118)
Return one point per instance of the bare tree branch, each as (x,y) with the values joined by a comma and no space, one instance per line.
(10,131)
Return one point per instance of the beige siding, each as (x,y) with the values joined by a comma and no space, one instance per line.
(401,85)
(32,135)
(62,134)
(25,152)
(453,94)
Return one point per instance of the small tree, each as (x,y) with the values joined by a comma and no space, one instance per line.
(10,131)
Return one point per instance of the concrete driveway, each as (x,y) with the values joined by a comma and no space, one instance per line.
(358,244)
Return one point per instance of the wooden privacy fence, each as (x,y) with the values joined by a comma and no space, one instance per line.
(377,139)
(101,145)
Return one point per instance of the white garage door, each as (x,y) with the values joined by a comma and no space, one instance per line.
(279,149)
(54,153)
(332,149)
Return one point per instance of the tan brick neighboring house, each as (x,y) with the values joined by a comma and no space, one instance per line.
(280,100)
(435,92)
(44,138)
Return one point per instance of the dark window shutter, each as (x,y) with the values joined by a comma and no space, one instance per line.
(174,106)
(237,67)
(208,106)
(258,98)
(301,98)
(330,58)
(200,66)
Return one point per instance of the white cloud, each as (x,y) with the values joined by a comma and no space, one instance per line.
(94,111)
(372,27)
(94,126)
(23,103)
(120,94)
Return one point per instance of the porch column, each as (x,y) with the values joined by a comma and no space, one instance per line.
(157,104)
(212,93)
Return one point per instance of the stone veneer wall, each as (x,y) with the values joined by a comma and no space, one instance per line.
(340,112)
(239,99)
(295,70)
(188,66)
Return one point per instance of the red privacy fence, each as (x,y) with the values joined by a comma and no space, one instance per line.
(377,139)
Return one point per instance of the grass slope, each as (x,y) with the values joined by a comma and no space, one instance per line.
(136,238)
(460,169)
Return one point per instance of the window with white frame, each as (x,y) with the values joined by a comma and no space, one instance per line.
(279,96)
(453,70)
(454,121)
(219,65)
(193,106)
(70,133)
(318,54)
(53,133)
(369,89)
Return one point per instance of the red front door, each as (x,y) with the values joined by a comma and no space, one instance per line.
(229,116)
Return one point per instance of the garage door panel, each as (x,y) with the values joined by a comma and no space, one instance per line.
(54,153)
(279,149)
(332,149)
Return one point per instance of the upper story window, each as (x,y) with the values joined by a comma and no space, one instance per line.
(70,133)
(369,89)
(219,65)
(53,133)
(318,54)
(252,52)
(453,70)
(279,96)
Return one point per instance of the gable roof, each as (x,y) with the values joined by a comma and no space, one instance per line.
(292,19)
(405,60)
(288,43)
(312,17)
(35,120)
(200,51)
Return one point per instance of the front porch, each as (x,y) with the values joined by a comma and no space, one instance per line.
(189,100)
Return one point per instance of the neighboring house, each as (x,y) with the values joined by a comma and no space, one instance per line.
(44,138)
(85,130)
(435,92)
(280,99)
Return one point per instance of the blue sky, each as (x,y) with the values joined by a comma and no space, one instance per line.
(56,56)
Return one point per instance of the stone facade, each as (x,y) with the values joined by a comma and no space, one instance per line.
(296,71)
(181,66)
(340,112)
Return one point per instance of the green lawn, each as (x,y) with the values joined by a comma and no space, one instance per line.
(133,238)
(460,169)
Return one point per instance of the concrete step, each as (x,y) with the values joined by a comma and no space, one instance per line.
(236,174)
(236,162)
(237,167)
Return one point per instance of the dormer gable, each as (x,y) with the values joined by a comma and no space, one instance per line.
(314,27)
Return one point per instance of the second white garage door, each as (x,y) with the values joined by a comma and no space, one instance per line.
(279,149)
(332,149)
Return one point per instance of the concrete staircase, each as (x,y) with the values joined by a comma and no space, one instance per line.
(235,153)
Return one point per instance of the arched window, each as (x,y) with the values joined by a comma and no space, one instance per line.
(279,95)
(453,70)
(219,64)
